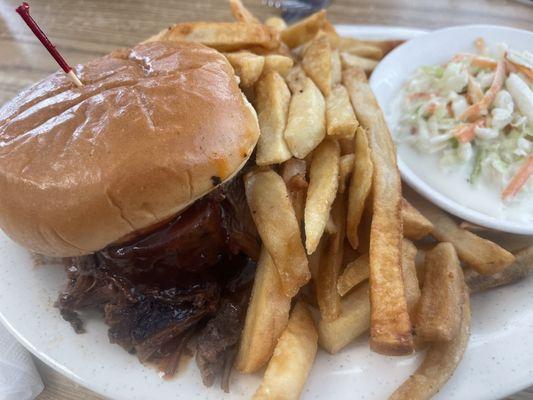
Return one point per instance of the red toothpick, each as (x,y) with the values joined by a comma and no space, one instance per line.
(24,11)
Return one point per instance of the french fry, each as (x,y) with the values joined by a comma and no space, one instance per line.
(358,270)
(353,321)
(306,125)
(248,67)
(328,298)
(281,50)
(363,50)
(266,317)
(522,267)
(390,325)
(439,364)
(276,23)
(241,13)
(223,36)
(481,254)
(293,173)
(410,279)
(329,29)
(340,117)
(336,68)
(304,30)
(355,272)
(360,186)
(384,45)
(331,228)
(278,227)
(346,164)
(316,257)
(316,62)
(279,63)
(347,145)
(415,225)
(272,98)
(293,358)
(296,79)
(349,60)
(323,185)
(438,314)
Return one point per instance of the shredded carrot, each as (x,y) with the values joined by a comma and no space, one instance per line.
(432,107)
(519,180)
(481,45)
(481,108)
(419,96)
(476,61)
(465,133)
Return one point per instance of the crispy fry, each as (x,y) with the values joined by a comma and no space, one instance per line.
(390,325)
(328,271)
(336,68)
(279,63)
(329,29)
(439,364)
(248,67)
(346,164)
(293,173)
(281,50)
(296,79)
(385,45)
(276,23)
(410,279)
(347,145)
(362,50)
(316,62)
(359,186)
(349,60)
(331,228)
(355,272)
(304,30)
(522,267)
(241,13)
(323,185)
(316,257)
(293,358)
(279,230)
(223,36)
(415,225)
(340,116)
(353,321)
(272,98)
(266,317)
(483,255)
(306,125)
(438,314)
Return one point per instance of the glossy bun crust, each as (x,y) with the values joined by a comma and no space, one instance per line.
(153,129)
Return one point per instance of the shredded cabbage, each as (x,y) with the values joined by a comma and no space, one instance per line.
(433,100)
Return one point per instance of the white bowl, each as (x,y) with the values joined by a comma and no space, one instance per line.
(436,48)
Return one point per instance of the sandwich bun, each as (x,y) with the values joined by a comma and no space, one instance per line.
(153,129)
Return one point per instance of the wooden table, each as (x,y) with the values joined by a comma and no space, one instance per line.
(86,29)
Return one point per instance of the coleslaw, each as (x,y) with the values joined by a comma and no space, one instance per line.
(475,114)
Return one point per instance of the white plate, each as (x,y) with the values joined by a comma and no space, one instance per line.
(437,48)
(498,362)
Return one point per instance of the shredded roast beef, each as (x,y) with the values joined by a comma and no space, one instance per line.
(190,276)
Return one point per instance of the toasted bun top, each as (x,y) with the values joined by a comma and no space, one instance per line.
(154,128)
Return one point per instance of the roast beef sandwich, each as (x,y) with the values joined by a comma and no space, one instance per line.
(135,181)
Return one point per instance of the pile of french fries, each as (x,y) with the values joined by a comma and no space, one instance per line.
(341,245)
